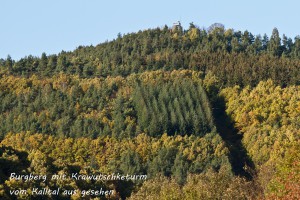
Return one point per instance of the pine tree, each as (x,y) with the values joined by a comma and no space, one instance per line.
(43,64)
(274,45)
(180,169)
(9,63)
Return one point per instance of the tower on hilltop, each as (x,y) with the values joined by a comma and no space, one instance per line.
(176,26)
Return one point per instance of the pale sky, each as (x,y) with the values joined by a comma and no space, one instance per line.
(32,27)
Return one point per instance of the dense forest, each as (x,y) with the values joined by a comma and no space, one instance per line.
(203,113)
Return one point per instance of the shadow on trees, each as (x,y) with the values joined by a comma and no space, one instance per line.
(14,161)
(241,163)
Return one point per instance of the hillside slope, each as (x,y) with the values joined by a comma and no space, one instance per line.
(212,109)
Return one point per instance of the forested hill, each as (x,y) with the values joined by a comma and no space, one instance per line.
(205,114)
(235,57)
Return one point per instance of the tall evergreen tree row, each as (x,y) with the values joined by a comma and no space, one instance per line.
(178,107)
(65,105)
(235,57)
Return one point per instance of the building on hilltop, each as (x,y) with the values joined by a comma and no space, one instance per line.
(176,26)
